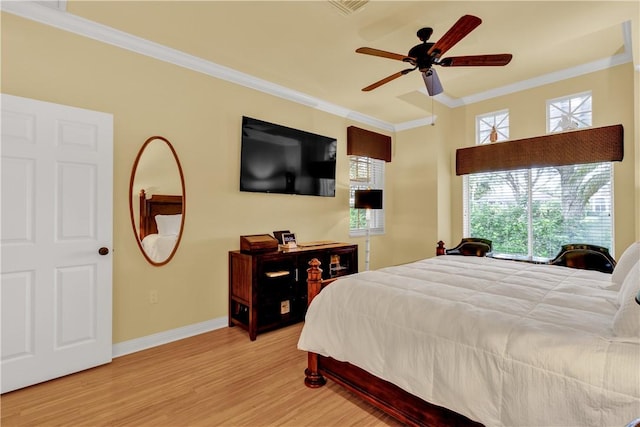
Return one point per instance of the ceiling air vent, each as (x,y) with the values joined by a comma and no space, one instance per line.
(54,4)
(347,7)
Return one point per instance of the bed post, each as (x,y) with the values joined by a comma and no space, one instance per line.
(313,378)
(440,248)
(142,203)
(314,280)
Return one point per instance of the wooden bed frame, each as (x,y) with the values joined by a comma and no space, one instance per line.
(390,398)
(157,204)
(382,394)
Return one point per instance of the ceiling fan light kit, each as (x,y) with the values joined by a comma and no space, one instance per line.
(426,54)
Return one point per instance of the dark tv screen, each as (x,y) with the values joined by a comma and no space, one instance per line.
(279,159)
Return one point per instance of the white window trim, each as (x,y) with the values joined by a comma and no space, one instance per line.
(562,98)
(492,114)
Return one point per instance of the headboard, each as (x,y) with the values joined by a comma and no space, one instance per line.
(157,204)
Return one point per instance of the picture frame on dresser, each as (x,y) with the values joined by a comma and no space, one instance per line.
(278,235)
(289,240)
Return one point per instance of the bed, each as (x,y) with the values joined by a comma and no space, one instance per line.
(160,224)
(466,340)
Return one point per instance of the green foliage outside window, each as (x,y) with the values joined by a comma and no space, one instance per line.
(506,227)
(357,219)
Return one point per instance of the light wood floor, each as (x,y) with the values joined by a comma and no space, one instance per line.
(220,378)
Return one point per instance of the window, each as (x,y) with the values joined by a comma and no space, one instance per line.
(568,113)
(365,173)
(532,212)
(492,127)
(583,192)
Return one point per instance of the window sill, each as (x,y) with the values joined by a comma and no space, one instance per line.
(521,258)
(363,233)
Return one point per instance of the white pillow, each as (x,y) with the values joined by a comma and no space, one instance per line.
(627,260)
(626,322)
(168,225)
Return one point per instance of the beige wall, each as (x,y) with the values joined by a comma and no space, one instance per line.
(411,229)
(636,136)
(201,117)
(421,191)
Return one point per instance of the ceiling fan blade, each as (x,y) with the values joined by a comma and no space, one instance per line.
(383,54)
(457,32)
(387,79)
(476,60)
(431,80)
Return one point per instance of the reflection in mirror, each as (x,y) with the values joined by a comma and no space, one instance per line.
(157,200)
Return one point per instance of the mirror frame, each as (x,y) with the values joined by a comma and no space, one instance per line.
(131,194)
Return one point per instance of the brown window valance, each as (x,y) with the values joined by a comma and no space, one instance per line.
(361,142)
(603,144)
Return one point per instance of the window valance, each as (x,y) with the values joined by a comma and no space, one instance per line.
(362,142)
(602,144)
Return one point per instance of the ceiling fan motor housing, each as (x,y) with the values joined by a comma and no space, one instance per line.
(421,54)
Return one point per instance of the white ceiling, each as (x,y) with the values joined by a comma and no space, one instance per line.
(308,47)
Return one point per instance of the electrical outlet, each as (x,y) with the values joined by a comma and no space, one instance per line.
(285,307)
(153,296)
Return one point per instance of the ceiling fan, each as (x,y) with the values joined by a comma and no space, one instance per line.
(427,54)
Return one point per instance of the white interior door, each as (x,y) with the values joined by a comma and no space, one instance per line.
(57,181)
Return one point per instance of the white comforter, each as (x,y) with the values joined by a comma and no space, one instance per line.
(158,247)
(505,343)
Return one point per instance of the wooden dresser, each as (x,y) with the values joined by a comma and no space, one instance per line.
(268,290)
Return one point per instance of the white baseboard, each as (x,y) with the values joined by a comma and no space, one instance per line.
(138,344)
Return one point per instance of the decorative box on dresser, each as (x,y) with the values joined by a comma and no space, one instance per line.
(268,290)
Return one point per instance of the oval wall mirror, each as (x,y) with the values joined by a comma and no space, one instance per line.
(157,200)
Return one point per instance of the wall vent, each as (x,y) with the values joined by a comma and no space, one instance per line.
(347,7)
(61,5)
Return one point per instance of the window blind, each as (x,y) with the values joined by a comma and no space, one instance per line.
(536,211)
(365,173)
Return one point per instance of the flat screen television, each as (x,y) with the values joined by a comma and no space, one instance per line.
(279,159)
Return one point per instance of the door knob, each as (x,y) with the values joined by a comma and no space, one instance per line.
(103,251)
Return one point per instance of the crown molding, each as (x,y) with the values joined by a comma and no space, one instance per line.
(545,79)
(590,67)
(427,121)
(102,33)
